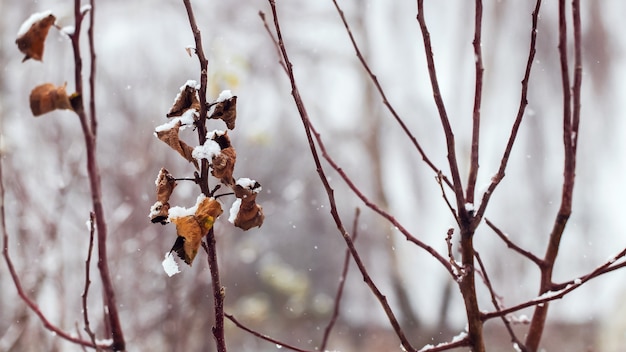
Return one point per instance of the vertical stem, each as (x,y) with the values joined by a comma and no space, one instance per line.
(203,183)
(570,135)
(466,221)
(218,292)
(473,173)
(93,171)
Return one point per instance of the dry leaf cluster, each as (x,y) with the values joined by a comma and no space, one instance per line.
(196,222)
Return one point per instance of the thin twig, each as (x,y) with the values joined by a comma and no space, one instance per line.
(569,168)
(445,198)
(263,336)
(447,345)
(457,186)
(513,246)
(93,171)
(18,285)
(92,230)
(342,282)
(383,96)
(329,190)
(495,180)
(496,304)
(478,90)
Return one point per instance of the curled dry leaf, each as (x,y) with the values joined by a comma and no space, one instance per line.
(171,138)
(225,110)
(249,214)
(223,164)
(185,100)
(165,184)
(48,97)
(33,33)
(192,228)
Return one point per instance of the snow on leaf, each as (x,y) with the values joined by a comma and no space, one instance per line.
(185,100)
(207,151)
(170,137)
(32,34)
(225,109)
(192,228)
(234,211)
(165,183)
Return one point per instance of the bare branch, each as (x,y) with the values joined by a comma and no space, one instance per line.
(93,171)
(570,121)
(513,246)
(342,282)
(18,285)
(478,91)
(383,96)
(92,230)
(495,180)
(443,115)
(263,336)
(329,191)
(496,304)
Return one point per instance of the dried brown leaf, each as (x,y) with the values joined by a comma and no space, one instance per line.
(31,40)
(171,138)
(250,214)
(192,228)
(185,100)
(226,110)
(48,97)
(165,184)
(223,164)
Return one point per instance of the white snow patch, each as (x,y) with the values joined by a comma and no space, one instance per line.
(154,209)
(104,342)
(234,210)
(85,8)
(169,265)
(38,16)
(516,347)
(224,95)
(208,150)
(68,30)
(578,281)
(179,212)
(249,184)
(186,120)
(214,134)
(469,207)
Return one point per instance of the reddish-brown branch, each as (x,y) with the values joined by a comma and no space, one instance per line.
(383,96)
(18,285)
(92,230)
(478,91)
(218,291)
(342,282)
(92,72)
(569,137)
(518,119)
(447,345)
(513,246)
(443,115)
(329,190)
(496,304)
(263,336)
(93,171)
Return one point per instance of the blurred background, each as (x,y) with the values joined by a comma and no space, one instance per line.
(281,279)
